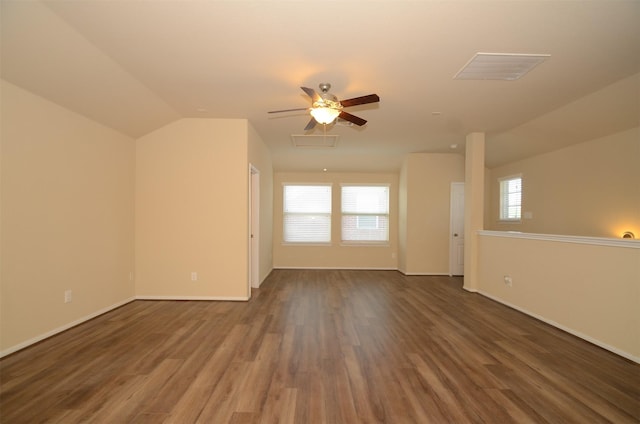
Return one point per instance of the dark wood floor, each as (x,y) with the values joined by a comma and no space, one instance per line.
(320,347)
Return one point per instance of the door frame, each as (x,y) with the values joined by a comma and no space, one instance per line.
(452,245)
(254,228)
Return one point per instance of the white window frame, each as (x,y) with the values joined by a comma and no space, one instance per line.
(310,213)
(377,215)
(510,200)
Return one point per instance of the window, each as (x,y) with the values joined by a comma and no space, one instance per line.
(510,198)
(307,213)
(365,213)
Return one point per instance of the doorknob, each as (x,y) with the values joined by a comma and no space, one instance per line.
(455,234)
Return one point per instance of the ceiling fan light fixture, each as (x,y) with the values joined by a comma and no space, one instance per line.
(324,115)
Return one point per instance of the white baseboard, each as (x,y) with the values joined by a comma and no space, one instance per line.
(583,336)
(426,274)
(263,278)
(219,298)
(60,329)
(350,268)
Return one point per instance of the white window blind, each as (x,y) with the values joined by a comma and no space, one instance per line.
(510,198)
(307,213)
(365,213)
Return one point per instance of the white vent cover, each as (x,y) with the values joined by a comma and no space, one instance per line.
(302,140)
(499,66)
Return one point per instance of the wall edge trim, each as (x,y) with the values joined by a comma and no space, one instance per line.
(178,297)
(598,241)
(62,328)
(347,268)
(564,328)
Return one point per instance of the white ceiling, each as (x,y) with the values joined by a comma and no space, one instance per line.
(138,65)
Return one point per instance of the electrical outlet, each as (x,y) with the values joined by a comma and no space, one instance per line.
(68,296)
(194,276)
(508,281)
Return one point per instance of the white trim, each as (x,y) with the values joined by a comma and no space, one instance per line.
(564,328)
(65,327)
(254,229)
(220,298)
(354,268)
(598,241)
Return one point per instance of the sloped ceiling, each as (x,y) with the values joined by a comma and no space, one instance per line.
(138,65)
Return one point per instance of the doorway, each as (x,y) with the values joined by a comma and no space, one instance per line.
(456,230)
(254,228)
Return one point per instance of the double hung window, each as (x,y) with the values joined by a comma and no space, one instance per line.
(307,213)
(365,213)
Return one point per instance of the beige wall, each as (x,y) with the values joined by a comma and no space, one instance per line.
(260,158)
(192,210)
(67,218)
(426,186)
(589,189)
(336,255)
(590,290)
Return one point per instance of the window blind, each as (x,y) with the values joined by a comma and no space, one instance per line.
(307,213)
(510,198)
(365,213)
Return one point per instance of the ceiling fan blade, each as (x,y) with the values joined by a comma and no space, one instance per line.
(288,110)
(310,125)
(371,98)
(352,118)
(311,93)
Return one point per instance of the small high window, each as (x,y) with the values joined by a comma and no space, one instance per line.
(510,198)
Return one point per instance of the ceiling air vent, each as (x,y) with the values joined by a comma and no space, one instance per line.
(499,66)
(316,141)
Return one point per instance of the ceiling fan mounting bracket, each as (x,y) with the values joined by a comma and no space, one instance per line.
(324,87)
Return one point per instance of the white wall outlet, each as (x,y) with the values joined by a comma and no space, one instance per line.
(528,215)
(68,296)
(194,276)
(131,276)
(508,281)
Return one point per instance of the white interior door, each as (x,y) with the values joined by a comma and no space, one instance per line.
(456,240)
(254,231)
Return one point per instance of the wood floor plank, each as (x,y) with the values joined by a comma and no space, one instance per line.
(320,346)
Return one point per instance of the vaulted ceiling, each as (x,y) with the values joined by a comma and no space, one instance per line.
(138,65)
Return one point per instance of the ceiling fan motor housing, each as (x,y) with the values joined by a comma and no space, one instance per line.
(327,99)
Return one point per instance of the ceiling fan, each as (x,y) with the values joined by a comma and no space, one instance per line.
(326,107)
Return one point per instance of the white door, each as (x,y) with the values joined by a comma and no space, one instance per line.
(254,230)
(456,229)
